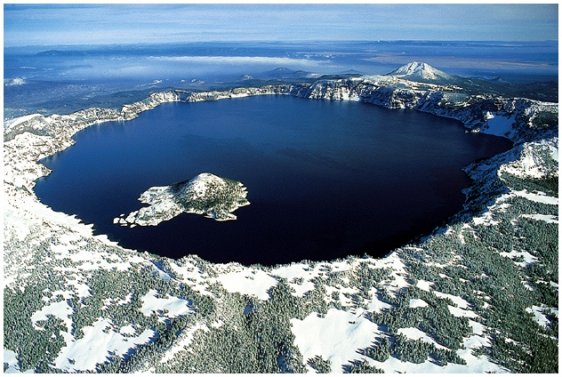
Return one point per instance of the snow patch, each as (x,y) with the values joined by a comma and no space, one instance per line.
(11,362)
(528,258)
(416,334)
(173,306)
(424,285)
(549,219)
(417,303)
(299,276)
(376,305)
(539,316)
(59,309)
(127,330)
(335,337)
(457,312)
(95,347)
(538,197)
(247,281)
(182,343)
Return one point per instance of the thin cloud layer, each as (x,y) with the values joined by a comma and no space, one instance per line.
(148,23)
(238,60)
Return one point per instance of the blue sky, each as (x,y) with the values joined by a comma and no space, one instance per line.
(105,24)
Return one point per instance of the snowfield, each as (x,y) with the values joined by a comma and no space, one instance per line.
(173,306)
(335,336)
(94,347)
(248,282)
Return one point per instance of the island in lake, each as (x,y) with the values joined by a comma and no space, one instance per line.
(206,194)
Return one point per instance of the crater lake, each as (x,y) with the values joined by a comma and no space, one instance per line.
(325,179)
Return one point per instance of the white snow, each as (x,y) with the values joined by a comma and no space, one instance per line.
(534,160)
(416,70)
(538,197)
(183,342)
(397,271)
(538,314)
(462,308)
(528,258)
(459,301)
(417,303)
(186,271)
(117,301)
(22,119)
(475,364)
(247,281)
(174,306)
(335,337)
(297,272)
(58,309)
(477,327)
(82,290)
(11,358)
(96,344)
(424,285)
(485,219)
(549,219)
(457,312)
(376,305)
(416,334)
(127,330)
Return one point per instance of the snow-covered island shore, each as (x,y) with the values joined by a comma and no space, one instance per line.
(479,294)
(206,194)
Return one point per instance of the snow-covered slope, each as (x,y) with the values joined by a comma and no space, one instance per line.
(420,71)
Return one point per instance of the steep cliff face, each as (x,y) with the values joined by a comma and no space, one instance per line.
(527,118)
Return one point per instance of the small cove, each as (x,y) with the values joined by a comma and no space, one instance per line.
(324,179)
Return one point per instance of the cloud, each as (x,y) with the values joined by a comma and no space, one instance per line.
(239,60)
(16,81)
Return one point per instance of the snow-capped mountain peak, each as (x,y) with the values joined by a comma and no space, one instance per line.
(420,71)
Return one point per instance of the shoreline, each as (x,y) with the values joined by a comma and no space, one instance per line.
(53,251)
(61,139)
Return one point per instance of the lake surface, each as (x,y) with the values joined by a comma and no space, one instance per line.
(324,179)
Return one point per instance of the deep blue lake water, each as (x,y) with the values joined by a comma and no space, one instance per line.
(325,179)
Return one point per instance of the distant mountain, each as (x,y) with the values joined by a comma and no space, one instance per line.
(286,73)
(420,71)
(63,53)
(351,72)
